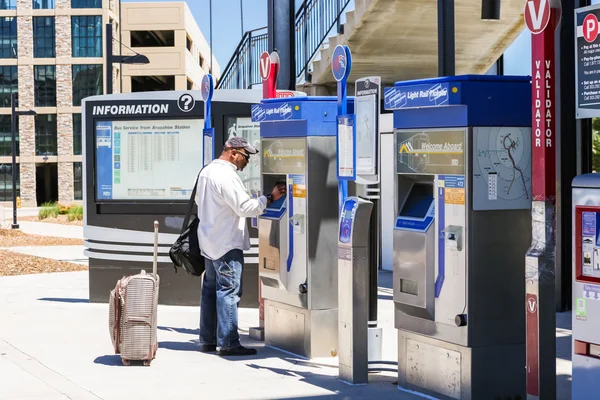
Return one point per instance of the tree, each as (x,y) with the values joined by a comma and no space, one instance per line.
(596,144)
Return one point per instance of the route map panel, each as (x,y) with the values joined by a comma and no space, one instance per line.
(501,168)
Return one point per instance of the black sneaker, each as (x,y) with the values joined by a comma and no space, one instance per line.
(208,348)
(237,351)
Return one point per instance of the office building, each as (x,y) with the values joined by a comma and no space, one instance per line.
(169,36)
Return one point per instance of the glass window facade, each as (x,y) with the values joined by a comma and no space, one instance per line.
(6,182)
(43,4)
(86,3)
(9,83)
(44,37)
(78,180)
(87,36)
(45,135)
(8,37)
(8,4)
(87,81)
(45,85)
(77,134)
(6,136)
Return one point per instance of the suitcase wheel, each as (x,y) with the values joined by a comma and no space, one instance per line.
(147,363)
(126,362)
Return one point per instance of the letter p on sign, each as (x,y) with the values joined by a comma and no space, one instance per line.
(590,28)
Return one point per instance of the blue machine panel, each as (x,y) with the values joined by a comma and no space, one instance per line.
(458,101)
(298,116)
(347,220)
(418,211)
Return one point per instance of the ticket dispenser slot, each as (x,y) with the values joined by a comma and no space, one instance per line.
(414,246)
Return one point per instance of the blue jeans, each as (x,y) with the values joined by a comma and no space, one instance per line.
(221,292)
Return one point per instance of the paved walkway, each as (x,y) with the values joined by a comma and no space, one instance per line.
(55,345)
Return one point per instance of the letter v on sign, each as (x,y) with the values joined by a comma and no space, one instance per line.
(537,15)
(265,66)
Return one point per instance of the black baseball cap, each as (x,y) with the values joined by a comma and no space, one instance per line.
(238,142)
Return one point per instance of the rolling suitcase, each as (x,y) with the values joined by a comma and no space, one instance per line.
(133,309)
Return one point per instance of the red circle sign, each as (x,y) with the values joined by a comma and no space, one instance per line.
(590,28)
(265,66)
(537,15)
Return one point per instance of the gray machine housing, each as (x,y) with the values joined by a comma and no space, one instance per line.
(483,319)
(301,304)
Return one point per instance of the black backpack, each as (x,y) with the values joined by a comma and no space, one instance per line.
(185,252)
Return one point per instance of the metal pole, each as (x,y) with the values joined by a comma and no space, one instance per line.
(13,130)
(109,61)
(446,64)
(242,17)
(211,42)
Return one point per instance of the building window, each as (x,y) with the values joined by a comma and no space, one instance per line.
(87,81)
(8,4)
(87,36)
(8,37)
(78,180)
(152,38)
(188,43)
(86,3)
(9,83)
(43,4)
(77,134)
(6,182)
(44,37)
(45,135)
(45,85)
(6,136)
(152,83)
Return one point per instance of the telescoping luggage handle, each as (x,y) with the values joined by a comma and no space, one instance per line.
(155,260)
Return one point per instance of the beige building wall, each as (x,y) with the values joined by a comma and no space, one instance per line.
(175,61)
(64,109)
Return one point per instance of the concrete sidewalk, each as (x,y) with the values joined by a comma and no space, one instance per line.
(72,254)
(55,345)
(49,229)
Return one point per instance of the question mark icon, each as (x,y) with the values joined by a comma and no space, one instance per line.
(186,102)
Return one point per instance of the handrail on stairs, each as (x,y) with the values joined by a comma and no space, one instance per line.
(314,20)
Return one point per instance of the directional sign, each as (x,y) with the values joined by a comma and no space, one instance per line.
(207,87)
(339,63)
(265,66)
(537,15)
(587,61)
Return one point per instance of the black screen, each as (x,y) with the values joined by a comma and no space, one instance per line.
(418,201)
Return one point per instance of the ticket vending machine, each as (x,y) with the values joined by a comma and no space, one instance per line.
(586,287)
(462,229)
(298,234)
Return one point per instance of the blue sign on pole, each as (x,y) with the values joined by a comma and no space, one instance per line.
(426,95)
(207,89)
(341,65)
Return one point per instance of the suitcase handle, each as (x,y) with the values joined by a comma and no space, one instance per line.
(155,259)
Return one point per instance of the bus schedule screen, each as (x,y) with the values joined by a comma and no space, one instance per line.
(147,160)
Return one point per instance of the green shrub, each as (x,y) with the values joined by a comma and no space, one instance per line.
(49,210)
(75,213)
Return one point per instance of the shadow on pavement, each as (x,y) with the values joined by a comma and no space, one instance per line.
(113,360)
(64,300)
(179,346)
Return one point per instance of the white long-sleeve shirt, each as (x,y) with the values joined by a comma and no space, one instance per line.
(223,206)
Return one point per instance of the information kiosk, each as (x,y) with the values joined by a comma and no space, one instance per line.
(142,154)
(463,226)
(298,235)
(586,286)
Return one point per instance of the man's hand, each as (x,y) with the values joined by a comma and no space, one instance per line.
(278,191)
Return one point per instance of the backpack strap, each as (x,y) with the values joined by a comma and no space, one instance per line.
(186,221)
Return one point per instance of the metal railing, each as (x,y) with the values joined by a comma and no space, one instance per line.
(315,19)
(242,70)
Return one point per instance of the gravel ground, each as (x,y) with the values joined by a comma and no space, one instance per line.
(19,264)
(12,263)
(13,238)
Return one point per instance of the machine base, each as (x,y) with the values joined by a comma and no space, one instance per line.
(450,371)
(257,334)
(307,333)
(375,344)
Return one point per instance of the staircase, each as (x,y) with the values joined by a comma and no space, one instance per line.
(396,39)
